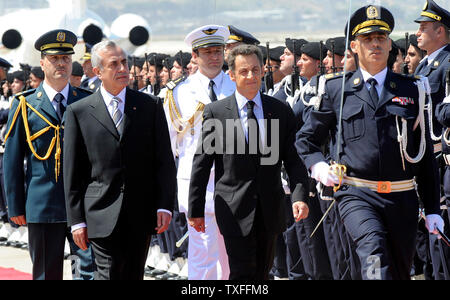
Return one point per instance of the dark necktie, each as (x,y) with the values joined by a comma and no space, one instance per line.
(60,108)
(212,94)
(373,90)
(252,126)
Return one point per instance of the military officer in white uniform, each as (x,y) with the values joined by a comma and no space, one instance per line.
(184,103)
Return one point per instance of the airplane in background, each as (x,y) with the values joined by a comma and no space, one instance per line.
(20,28)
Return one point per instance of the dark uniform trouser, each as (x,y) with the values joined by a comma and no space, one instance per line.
(341,249)
(384,228)
(46,244)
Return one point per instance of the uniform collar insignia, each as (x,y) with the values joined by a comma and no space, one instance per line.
(357,81)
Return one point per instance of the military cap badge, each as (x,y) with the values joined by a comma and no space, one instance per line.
(209,31)
(372,12)
(61,37)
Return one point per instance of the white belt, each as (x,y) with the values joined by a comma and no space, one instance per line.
(381,186)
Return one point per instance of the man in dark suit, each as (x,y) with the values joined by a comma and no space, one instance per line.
(119,170)
(249,197)
(36,198)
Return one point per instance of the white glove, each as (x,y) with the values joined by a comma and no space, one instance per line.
(321,172)
(434,221)
(446,99)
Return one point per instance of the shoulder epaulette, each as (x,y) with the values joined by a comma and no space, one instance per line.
(334,75)
(81,90)
(409,76)
(24,93)
(173,83)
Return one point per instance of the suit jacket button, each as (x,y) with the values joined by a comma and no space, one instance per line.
(255,197)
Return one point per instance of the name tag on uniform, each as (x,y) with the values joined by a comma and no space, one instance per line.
(403,100)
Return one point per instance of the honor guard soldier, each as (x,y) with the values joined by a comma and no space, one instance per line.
(289,59)
(35,134)
(335,48)
(433,36)
(184,104)
(91,82)
(380,151)
(77,74)
(4,67)
(414,55)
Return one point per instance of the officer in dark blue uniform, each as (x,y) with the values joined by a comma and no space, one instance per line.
(379,155)
(433,36)
(91,82)
(35,134)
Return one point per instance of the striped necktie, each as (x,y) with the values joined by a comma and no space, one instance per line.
(117,114)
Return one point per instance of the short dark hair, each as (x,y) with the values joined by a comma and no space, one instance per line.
(436,25)
(245,50)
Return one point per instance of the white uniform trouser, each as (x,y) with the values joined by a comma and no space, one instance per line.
(207,257)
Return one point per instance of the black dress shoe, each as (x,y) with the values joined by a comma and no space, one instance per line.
(178,278)
(18,245)
(2,239)
(147,270)
(156,272)
(4,243)
(24,247)
(165,276)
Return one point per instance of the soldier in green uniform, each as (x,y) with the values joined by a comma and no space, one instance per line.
(35,134)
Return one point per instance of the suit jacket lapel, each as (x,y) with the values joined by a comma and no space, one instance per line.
(45,105)
(129,111)
(239,135)
(267,110)
(101,114)
(72,96)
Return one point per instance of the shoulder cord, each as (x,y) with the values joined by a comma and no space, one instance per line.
(182,125)
(429,108)
(446,135)
(317,99)
(402,137)
(23,104)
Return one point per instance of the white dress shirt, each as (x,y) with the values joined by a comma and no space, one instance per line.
(380,78)
(218,80)
(51,93)
(257,110)
(107,97)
